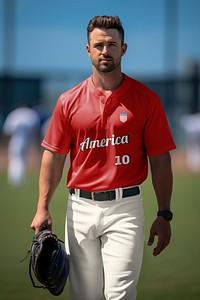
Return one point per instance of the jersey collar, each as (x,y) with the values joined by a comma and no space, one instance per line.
(116,93)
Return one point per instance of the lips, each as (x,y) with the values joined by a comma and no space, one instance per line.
(106,59)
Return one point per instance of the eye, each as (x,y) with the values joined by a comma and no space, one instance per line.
(112,44)
(98,45)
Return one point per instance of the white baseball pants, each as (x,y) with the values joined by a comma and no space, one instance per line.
(105,242)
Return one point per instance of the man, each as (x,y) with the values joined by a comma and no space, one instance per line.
(22,127)
(191,125)
(110,123)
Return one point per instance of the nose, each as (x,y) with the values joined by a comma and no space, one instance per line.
(105,50)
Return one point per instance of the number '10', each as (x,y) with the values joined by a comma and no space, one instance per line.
(122,160)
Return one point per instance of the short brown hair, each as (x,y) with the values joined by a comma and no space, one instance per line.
(106,22)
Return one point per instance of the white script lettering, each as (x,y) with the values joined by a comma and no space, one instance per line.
(91,144)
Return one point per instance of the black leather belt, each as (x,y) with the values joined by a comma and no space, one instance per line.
(107,195)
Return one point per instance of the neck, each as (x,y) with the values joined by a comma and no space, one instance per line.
(107,82)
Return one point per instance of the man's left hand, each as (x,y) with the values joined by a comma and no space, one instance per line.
(162,229)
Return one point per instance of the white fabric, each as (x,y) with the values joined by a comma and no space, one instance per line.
(191,125)
(105,241)
(21,125)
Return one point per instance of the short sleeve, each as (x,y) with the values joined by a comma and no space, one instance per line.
(157,135)
(58,138)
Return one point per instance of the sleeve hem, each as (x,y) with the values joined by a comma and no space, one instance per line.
(161,150)
(53,148)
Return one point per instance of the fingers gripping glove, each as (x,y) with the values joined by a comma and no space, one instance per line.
(49,262)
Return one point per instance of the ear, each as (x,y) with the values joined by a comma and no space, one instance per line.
(124,48)
(88,49)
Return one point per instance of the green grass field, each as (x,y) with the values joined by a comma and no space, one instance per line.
(174,275)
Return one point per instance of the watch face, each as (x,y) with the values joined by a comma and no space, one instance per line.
(166,214)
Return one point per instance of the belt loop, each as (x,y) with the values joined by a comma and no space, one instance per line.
(77,192)
(117,194)
(140,188)
(92,195)
(120,193)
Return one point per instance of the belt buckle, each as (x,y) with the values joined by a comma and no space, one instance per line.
(93,195)
(109,195)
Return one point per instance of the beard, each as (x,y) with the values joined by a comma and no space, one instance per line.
(108,66)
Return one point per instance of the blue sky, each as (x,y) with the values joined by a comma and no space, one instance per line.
(50,35)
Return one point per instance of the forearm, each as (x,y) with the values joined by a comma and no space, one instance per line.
(50,176)
(162,179)
(162,183)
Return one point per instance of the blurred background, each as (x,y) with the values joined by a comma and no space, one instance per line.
(42,54)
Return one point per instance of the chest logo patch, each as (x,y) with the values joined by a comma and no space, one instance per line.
(123,117)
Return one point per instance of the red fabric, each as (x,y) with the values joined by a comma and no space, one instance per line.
(109,140)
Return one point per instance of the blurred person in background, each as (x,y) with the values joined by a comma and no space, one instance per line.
(22,127)
(191,126)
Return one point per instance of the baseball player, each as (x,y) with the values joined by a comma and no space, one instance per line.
(111,124)
(191,126)
(22,126)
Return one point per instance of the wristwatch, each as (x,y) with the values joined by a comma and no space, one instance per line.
(166,214)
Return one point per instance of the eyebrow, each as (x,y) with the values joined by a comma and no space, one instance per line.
(102,42)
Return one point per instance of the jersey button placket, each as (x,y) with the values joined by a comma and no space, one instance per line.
(106,113)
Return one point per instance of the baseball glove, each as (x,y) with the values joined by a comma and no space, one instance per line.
(49,262)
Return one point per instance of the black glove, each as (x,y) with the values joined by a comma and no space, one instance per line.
(49,262)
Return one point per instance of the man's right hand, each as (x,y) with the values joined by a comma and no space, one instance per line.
(41,221)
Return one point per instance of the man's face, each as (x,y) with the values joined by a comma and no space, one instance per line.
(105,49)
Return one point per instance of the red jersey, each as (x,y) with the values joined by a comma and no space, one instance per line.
(108,139)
